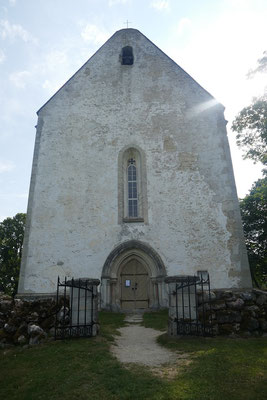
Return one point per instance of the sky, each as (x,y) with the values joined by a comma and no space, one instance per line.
(44,42)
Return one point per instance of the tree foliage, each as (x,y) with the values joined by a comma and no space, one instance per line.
(11,242)
(254,215)
(251,128)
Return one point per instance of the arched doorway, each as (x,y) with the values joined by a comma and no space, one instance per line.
(133,278)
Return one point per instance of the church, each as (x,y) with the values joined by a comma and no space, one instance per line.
(132,182)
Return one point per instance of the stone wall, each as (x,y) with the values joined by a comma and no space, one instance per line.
(242,313)
(26,322)
(32,321)
(230,312)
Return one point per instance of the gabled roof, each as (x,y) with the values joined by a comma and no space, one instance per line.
(125,30)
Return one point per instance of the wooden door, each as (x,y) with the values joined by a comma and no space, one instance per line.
(134,286)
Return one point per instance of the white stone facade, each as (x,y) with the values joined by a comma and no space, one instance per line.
(190,215)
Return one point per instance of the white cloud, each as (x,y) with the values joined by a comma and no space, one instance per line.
(2,56)
(52,87)
(13,31)
(19,79)
(160,5)
(115,2)
(6,166)
(12,2)
(56,68)
(183,24)
(54,58)
(91,33)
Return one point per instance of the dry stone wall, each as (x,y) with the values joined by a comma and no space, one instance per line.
(233,313)
(26,322)
(241,313)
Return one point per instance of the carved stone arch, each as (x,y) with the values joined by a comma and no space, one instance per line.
(133,245)
(132,151)
(112,272)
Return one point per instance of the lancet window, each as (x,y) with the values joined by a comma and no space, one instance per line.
(132,197)
(132,189)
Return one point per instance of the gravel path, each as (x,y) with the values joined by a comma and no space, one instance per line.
(137,344)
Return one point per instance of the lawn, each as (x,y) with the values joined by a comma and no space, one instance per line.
(82,369)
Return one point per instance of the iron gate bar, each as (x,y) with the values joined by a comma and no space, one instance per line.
(85,298)
(200,323)
(56,319)
(196,307)
(64,310)
(92,308)
(183,300)
(79,302)
(203,304)
(176,303)
(189,304)
(71,303)
(210,314)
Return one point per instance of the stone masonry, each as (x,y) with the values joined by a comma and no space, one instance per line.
(76,211)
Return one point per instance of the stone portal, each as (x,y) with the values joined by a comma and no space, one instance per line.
(133,278)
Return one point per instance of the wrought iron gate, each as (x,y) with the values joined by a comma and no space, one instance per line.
(77,305)
(190,305)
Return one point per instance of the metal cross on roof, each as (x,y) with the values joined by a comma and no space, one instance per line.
(127,23)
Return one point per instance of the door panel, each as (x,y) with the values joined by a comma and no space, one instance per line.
(134,286)
(139,268)
(128,287)
(130,267)
(141,287)
(141,304)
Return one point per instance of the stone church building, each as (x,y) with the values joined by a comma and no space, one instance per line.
(132,181)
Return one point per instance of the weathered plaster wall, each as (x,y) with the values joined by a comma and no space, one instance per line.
(193,215)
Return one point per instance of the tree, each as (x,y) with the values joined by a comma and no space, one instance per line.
(261,67)
(251,128)
(11,242)
(254,215)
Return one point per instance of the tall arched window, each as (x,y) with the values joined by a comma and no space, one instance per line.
(132,189)
(132,197)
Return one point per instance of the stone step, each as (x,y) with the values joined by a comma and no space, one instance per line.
(134,318)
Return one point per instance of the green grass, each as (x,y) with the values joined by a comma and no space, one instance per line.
(85,369)
(157,320)
(109,324)
(223,368)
